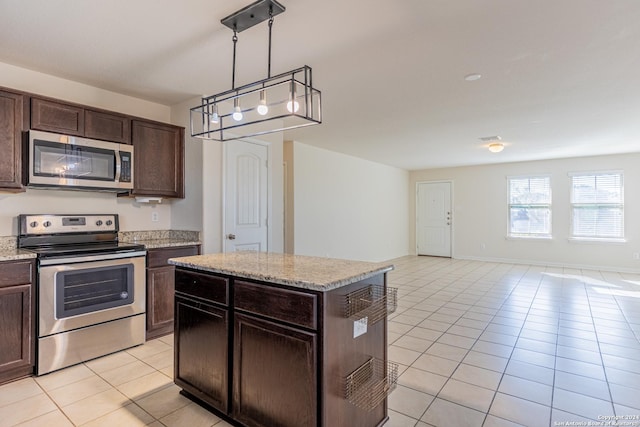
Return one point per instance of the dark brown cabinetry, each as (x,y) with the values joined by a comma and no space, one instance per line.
(160,288)
(52,116)
(17,338)
(201,342)
(159,147)
(291,352)
(12,123)
(107,126)
(158,159)
(70,119)
(278,361)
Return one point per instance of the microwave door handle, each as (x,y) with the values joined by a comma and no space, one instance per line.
(118,166)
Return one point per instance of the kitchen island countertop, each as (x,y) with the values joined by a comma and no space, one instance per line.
(314,273)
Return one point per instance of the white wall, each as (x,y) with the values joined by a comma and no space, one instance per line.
(346,207)
(133,216)
(480,214)
(186,214)
(43,84)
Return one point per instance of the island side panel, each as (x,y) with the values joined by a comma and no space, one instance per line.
(342,354)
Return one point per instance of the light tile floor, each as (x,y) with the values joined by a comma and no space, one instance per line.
(479,344)
(492,344)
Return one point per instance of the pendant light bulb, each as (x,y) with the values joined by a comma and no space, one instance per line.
(262,108)
(237,111)
(214,116)
(293,106)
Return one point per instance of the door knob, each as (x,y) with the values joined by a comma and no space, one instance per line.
(231,237)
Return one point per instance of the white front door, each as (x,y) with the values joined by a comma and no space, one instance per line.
(246,193)
(434,219)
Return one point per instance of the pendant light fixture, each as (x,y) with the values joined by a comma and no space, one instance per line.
(276,103)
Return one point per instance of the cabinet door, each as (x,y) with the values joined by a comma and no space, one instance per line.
(160,294)
(274,374)
(54,116)
(11,122)
(15,329)
(201,351)
(107,126)
(158,159)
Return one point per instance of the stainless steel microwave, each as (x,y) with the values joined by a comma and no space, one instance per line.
(71,162)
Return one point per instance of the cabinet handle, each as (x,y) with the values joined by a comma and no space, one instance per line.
(231,237)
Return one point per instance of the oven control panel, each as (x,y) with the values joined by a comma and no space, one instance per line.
(60,224)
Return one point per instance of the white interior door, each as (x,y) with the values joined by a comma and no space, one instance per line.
(246,193)
(434,219)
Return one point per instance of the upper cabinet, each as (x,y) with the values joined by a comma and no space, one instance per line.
(12,123)
(51,116)
(69,119)
(159,147)
(158,160)
(107,126)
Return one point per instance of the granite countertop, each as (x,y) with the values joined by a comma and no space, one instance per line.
(320,274)
(167,243)
(9,252)
(156,239)
(15,254)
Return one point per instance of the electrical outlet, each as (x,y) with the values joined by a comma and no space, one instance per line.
(155,217)
(636,255)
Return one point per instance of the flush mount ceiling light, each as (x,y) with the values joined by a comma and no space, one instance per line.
(276,103)
(495,146)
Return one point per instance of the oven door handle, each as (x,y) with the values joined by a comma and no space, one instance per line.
(88,258)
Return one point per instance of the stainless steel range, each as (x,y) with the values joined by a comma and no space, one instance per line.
(91,287)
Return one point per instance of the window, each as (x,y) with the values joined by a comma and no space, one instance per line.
(530,206)
(597,205)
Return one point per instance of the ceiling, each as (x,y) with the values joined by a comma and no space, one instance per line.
(559,78)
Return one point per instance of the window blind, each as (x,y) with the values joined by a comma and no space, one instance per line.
(530,206)
(597,205)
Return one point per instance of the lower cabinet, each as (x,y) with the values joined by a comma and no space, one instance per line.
(160,288)
(17,328)
(201,357)
(201,349)
(277,361)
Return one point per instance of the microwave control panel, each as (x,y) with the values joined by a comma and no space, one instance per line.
(125,166)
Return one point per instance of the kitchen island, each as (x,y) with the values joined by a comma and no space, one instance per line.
(267,339)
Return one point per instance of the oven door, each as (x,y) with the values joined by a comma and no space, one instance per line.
(84,291)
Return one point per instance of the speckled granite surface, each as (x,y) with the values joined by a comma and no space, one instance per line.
(15,254)
(8,251)
(8,242)
(320,274)
(161,238)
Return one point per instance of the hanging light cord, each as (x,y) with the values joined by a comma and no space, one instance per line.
(233,73)
(270,25)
